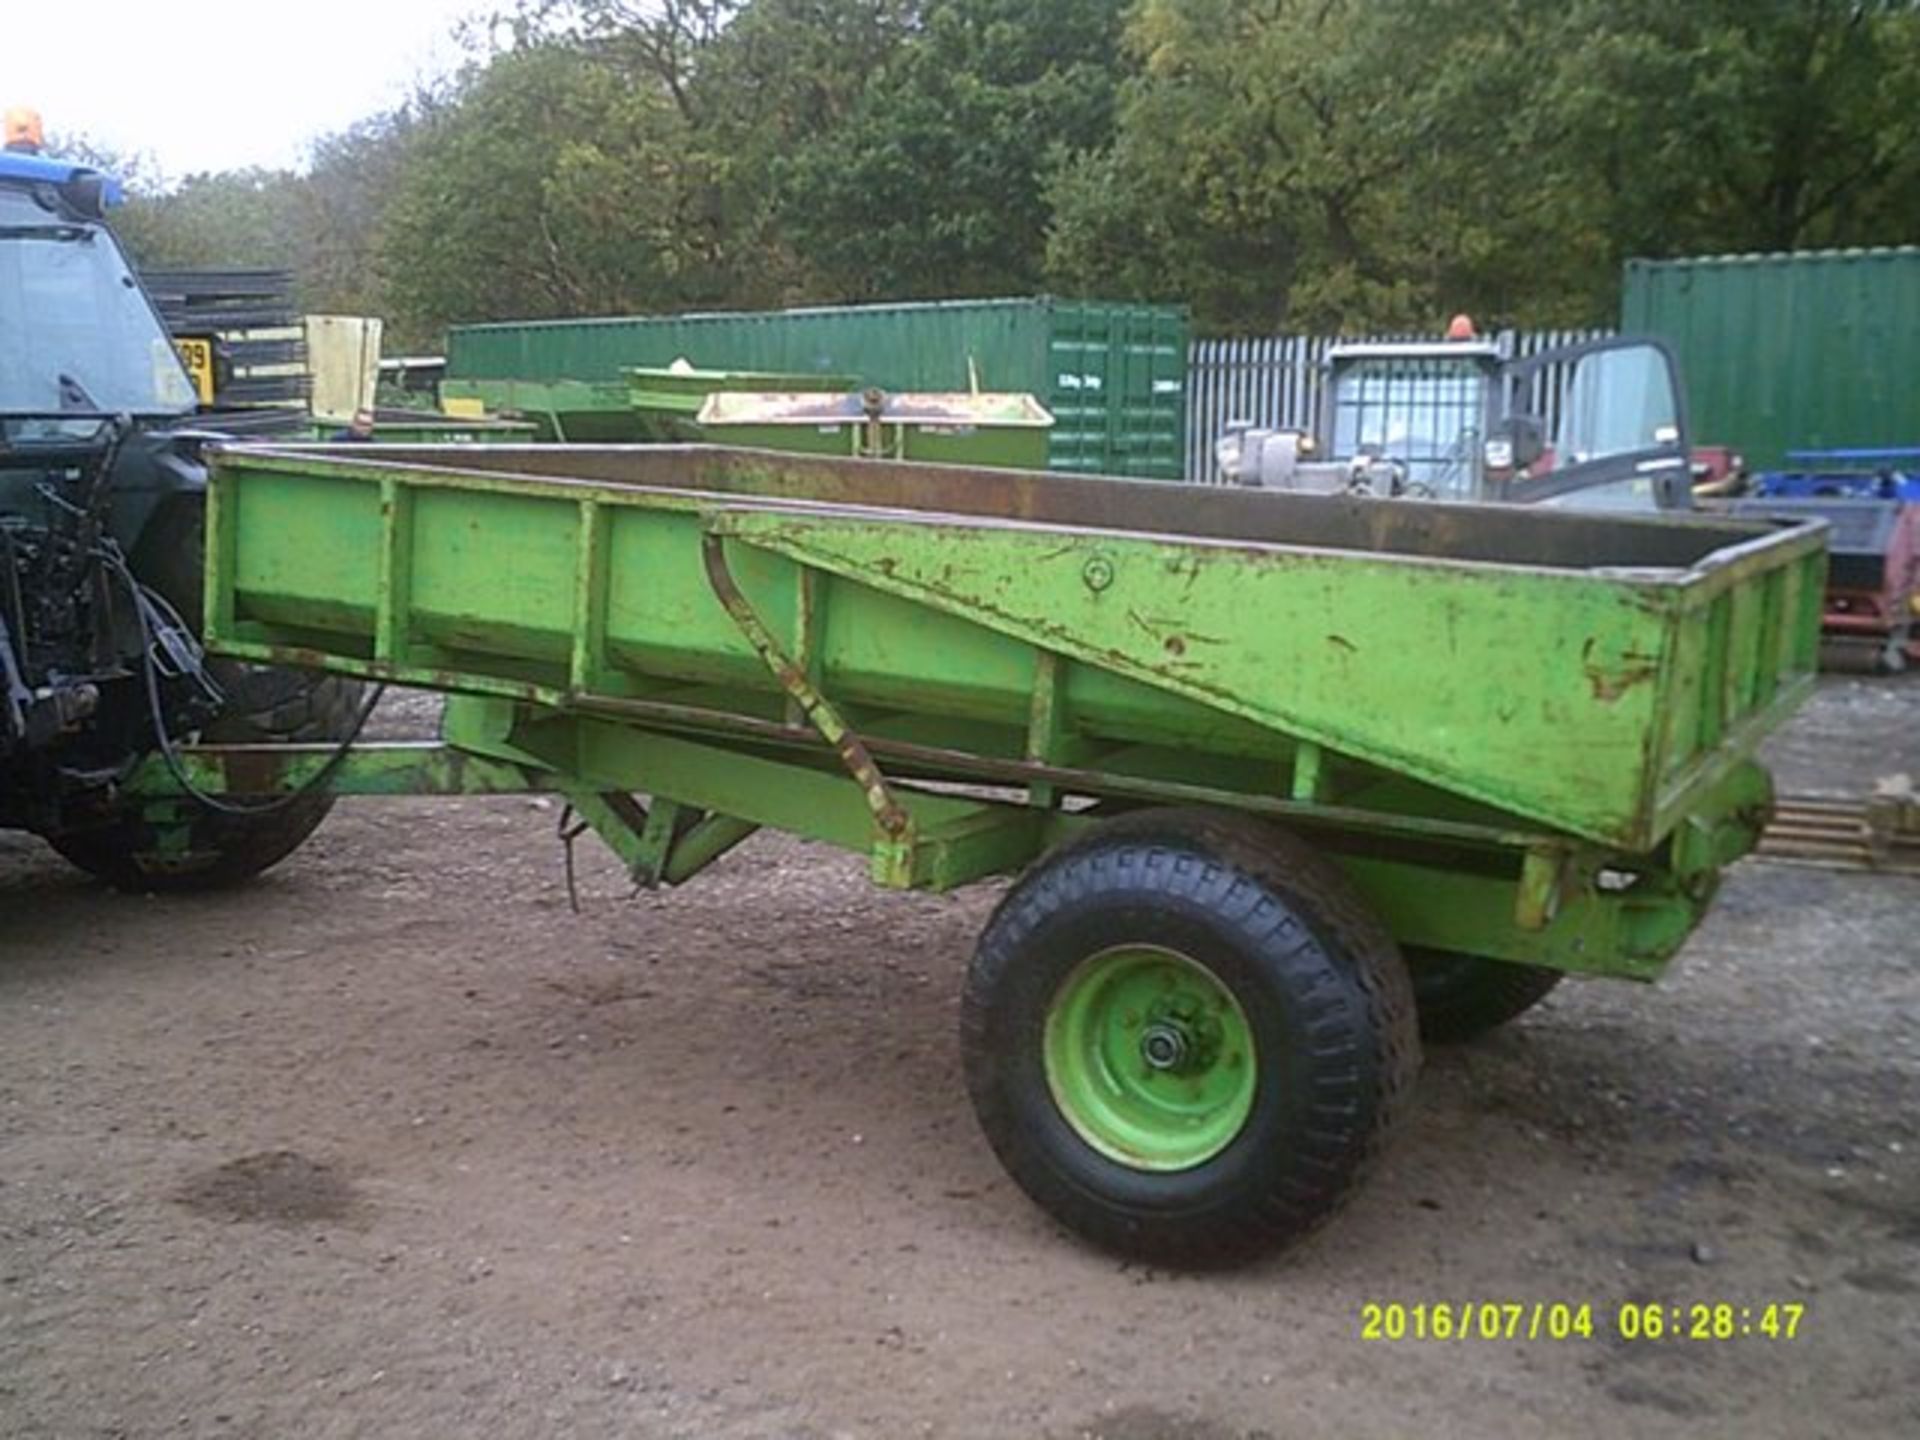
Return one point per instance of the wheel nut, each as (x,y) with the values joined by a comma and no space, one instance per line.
(1163,1047)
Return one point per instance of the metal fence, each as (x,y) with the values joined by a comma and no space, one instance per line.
(1275,380)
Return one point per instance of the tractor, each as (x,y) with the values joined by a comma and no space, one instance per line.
(102,518)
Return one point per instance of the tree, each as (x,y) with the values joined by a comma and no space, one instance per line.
(933,181)
(667,41)
(1725,125)
(1324,165)
(223,218)
(1357,164)
(549,185)
(341,208)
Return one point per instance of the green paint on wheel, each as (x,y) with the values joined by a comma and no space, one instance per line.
(1150,1058)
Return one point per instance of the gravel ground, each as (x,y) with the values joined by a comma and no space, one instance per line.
(394,1143)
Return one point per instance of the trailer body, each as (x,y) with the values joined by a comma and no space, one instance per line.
(1557,694)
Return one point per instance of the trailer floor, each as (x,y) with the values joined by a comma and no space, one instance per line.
(392,1143)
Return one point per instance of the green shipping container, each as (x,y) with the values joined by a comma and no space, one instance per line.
(1113,374)
(1813,350)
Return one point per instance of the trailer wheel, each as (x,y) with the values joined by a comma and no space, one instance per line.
(268,704)
(1185,1037)
(1464,996)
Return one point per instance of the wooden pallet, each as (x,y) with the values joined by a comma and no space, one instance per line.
(1880,833)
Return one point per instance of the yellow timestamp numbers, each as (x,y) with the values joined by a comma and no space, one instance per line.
(1554,1320)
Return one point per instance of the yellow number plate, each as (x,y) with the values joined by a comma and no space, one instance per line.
(197,356)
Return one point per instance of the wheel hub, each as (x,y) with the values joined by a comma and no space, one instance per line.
(1150,1058)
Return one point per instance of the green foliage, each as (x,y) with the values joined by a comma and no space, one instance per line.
(1333,165)
(1722,124)
(784,75)
(341,208)
(1360,164)
(549,185)
(1306,164)
(934,181)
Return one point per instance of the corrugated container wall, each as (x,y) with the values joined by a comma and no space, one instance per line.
(1114,375)
(1814,350)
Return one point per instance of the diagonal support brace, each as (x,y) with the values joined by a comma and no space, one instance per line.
(888,813)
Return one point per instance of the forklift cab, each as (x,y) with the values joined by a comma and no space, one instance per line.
(1599,425)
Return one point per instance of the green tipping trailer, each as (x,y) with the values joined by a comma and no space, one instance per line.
(583,412)
(648,404)
(947,429)
(676,393)
(429,427)
(1287,779)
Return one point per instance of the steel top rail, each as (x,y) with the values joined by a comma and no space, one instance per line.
(1669,548)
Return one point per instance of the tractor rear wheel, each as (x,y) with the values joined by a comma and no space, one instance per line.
(266,705)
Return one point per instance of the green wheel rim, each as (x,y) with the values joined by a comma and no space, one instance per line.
(1150,1058)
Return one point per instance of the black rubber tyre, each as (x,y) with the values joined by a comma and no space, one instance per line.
(1461,997)
(1317,977)
(266,704)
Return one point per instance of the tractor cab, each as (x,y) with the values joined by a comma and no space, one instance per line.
(79,340)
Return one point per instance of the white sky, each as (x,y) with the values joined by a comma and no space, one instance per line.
(216,84)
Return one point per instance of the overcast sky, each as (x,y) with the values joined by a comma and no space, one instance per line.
(216,84)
